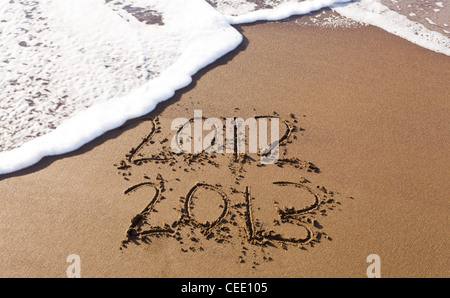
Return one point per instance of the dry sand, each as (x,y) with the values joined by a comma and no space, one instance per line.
(371,138)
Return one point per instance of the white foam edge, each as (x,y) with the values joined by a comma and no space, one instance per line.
(282,11)
(93,122)
(364,11)
(375,14)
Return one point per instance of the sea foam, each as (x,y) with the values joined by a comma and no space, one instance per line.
(149,63)
(72,70)
(278,10)
(376,14)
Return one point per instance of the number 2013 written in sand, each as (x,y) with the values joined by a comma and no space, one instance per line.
(254,235)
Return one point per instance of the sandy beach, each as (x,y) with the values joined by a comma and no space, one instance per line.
(369,142)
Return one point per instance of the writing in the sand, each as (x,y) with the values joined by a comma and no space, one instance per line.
(140,229)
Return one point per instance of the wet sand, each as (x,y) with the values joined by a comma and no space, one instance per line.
(364,171)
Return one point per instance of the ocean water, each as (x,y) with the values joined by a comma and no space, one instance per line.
(71,70)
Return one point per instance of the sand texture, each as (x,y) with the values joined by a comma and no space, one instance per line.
(363,170)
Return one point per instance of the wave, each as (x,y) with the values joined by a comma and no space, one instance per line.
(376,14)
(73,70)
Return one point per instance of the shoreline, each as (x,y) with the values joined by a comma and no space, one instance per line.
(336,16)
(372,107)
